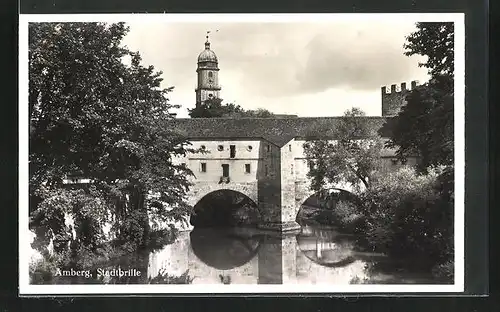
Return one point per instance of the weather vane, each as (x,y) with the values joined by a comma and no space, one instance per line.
(209,31)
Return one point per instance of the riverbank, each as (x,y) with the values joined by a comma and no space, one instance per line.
(48,267)
(415,267)
(319,254)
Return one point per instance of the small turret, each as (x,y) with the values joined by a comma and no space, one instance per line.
(393,101)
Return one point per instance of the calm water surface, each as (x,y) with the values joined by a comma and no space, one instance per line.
(317,255)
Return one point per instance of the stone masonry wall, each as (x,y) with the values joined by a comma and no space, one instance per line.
(269,183)
(288,206)
(201,189)
(393,102)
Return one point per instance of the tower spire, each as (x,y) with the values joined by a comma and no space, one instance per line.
(208,81)
(207,43)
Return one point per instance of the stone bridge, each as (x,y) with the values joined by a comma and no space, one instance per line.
(262,158)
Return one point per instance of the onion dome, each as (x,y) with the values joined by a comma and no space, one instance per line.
(207,55)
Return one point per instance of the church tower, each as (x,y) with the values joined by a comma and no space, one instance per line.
(208,75)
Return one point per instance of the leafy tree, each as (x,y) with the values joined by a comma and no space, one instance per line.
(213,108)
(353,157)
(94,116)
(406,217)
(424,126)
(258,113)
(434,40)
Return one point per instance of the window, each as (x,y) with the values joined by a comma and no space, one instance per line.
(203,147)
(266,170)
(210,95)
(249,148)
(268,148)
(247,168)
(220,148)
(232,151)
(290,147)
(394,161)
(291,169)
(225,170)
(203,167)
(210,74)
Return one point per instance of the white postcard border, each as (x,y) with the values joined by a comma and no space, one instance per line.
(459,113)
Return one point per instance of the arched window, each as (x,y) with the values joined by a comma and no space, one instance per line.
(210,74)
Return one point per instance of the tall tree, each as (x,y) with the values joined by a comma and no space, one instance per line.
(352,157)
(436,42)
(94,115)
(424,126)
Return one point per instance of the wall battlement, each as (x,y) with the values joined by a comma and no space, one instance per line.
(394,98)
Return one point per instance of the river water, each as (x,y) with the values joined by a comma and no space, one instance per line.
(317,255)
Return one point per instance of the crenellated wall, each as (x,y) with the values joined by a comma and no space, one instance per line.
(394,99)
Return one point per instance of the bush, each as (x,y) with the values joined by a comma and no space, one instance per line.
(133,231)
(407,217)
(348,214)
(42,271)
(160,238)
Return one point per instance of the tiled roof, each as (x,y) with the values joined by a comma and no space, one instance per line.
(275,130)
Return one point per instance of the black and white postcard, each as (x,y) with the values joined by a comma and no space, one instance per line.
(241,153)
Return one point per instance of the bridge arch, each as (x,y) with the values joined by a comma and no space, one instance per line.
(303,191)
(304,198)
(307,203)
(225,206)
(199,190)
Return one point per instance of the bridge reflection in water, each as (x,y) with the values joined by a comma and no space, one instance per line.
(245,256)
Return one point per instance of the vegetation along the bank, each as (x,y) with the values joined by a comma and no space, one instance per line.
(406,213)
(95,116)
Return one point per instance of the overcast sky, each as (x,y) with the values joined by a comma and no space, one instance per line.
(308,69)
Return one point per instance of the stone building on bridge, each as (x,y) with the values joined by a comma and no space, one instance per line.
(262,158)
